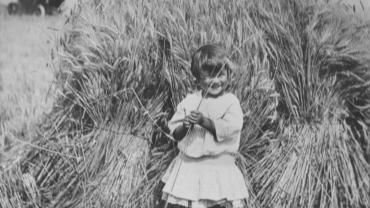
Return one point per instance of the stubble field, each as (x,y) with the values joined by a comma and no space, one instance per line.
(25,78)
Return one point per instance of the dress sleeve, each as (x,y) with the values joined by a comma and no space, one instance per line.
(230,124)
(177,118)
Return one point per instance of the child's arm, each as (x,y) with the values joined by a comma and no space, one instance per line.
(196,117)
(229,126)
(209,125)
(179,124)
(226,127)
(180,132)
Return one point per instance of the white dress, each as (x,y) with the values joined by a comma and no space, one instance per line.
(204,173)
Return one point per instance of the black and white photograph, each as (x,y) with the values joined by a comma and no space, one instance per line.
(184,103)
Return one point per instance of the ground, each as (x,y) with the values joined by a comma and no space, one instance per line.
(25,77)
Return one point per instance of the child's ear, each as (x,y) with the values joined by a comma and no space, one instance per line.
(195,81)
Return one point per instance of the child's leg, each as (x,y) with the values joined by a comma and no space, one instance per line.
(174,206)
(159,202)
(218,206)
(163,205)
(228,205)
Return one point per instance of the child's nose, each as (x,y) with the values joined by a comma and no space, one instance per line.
(216,80)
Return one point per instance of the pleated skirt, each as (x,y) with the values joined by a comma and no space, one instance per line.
(204,182)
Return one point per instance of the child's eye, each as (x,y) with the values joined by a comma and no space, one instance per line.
(220,74)
(223,73)
(213,74)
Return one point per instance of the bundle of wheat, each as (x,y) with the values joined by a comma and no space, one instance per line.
(320,60)
(122,67)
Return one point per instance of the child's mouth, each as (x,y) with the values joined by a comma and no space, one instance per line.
(215,86)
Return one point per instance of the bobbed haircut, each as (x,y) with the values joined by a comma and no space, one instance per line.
(210,58)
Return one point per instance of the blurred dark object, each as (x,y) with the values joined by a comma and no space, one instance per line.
(37,7)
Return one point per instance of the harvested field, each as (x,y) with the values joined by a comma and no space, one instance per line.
(25,78)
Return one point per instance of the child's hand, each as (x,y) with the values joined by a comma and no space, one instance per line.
(196,117)
(186,122)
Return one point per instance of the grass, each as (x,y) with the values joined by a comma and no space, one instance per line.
(122,66)
(25,80)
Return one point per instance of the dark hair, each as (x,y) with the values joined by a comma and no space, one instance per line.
(209,57)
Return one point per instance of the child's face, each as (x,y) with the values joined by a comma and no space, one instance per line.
(213,82)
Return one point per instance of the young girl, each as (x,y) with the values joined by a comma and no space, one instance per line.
(207,125)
